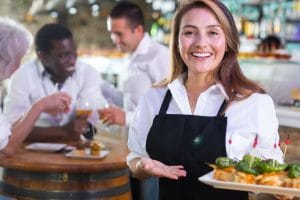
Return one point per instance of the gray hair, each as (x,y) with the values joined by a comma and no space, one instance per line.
(15,41)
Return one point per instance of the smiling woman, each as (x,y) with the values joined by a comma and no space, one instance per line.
(187,120)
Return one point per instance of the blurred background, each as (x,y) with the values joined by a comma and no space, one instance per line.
(87,18)
(278,71)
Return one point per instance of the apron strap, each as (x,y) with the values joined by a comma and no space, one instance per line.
(165,105)
(222,109)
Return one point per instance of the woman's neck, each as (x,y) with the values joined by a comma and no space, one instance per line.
(195,85)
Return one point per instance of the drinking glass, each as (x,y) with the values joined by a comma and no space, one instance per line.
(84,108)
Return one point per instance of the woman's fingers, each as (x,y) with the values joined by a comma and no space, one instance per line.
(159,169)
(283,197)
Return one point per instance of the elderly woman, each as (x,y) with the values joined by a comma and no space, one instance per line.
(15,41)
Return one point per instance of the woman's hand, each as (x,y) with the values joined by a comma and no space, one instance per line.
(156,168)
(55,103)
(283,197)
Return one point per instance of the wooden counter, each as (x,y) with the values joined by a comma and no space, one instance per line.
(45,175)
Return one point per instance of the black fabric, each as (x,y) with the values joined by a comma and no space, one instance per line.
(135,188)
(90,133)
(191,141)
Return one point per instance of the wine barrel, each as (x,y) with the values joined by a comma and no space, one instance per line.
(104,185)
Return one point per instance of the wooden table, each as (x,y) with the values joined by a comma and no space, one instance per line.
(44,175)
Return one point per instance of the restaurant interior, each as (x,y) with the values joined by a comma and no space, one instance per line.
(277,71)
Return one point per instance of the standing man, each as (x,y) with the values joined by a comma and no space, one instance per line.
(56,69)
(148,64)
(148,61)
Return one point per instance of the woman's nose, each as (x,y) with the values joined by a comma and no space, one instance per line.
(201,40)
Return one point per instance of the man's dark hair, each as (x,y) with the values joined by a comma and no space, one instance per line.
(49,33)
(131,11)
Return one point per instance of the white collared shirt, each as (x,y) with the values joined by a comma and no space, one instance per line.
(4,130)
(31,82)
(245,119)
(148,64)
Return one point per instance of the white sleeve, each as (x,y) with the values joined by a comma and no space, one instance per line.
(17,101)
(160,66)
(4,130)
(112,94)
(249,118)
(267,129)
(91,86)
(129,115)
(139,128)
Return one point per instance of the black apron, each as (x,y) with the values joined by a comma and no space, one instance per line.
(191,141)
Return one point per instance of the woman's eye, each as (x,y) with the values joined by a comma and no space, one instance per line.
(213,33)
(188,33)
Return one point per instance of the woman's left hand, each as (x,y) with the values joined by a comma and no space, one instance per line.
(157,168)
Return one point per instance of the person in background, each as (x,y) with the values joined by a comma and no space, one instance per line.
(148,61)
(188,120)
(112,94)
(148,64)
(272,46)
(15,41)
(270,43)
(56,69)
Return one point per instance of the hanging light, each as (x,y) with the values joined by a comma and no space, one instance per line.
(95,10)
(54,14)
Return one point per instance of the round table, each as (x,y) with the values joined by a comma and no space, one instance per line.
(51,175)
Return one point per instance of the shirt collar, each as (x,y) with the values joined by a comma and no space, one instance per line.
(178,83)
(43,73)
(41,69)
(143,46)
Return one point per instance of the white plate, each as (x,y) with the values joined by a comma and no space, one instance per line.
(85,154)
(49,147)
(208,179)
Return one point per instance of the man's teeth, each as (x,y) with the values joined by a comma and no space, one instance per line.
(70,68)
(201,55)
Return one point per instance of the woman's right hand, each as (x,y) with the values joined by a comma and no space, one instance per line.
(157,168)
(55,103)
(283,197)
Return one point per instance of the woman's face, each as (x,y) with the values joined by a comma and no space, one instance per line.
(201,41)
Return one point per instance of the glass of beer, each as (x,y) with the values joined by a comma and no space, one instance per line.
(84,108)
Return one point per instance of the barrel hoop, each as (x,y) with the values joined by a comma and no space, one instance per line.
(112,192)
(54,176)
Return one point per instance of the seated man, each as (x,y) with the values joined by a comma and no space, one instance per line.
(56,69)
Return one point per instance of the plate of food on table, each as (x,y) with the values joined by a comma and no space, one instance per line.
(254,174)
(94,150)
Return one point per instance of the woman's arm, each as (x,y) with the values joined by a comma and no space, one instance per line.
(52,104)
